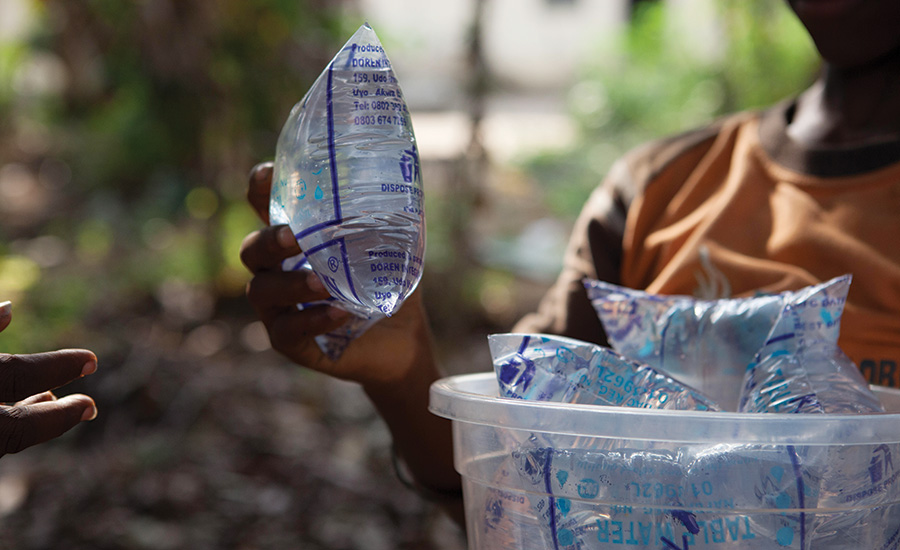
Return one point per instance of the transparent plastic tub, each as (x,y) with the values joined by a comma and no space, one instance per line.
(559,476)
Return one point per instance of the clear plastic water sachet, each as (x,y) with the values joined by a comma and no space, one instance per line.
(558,481)
(564,487)
(800,368)
(650,495)
(721,496)
(576,492)
(705,343)
(347,181)
(553,368)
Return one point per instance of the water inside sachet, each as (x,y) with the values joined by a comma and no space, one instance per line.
(545,367)
(800,368)
(705,343)
(347,180)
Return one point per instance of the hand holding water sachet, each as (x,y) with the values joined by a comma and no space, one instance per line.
(347,181)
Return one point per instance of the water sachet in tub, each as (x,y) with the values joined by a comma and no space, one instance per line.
(597,494)
(347,181)
(553,368)
(586,493)
(800,367)
(771,484)
(565,485)
(801,370)
(572,494)
(705,343)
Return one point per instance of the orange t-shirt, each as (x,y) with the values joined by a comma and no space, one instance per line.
(737,208)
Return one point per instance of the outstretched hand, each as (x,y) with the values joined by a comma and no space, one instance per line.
(26,381)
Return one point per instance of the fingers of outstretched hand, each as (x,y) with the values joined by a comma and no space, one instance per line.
(259,188)
(22,376)
(5,314)
(267,248)
(39,398)
(34,421)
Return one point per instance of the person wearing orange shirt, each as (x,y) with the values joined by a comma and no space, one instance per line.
(760,201)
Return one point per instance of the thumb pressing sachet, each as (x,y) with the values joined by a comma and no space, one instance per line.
(347,181)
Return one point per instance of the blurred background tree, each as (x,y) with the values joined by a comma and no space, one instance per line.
(126,133)
(666,73)
(135,124)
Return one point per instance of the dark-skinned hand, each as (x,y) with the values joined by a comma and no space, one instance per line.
(31,413)
(393,360)
(384,354)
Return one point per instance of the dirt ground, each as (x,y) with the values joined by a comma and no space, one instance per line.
(205,442)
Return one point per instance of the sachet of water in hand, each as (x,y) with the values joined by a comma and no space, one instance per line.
(347,181)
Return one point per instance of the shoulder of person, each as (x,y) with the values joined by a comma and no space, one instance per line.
(647,161)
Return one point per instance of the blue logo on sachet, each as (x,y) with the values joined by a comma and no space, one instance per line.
(409,165)
(881,465)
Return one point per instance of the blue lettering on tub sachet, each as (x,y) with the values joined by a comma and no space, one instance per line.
(544,367)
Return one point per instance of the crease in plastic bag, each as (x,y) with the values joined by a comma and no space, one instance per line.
(347,181)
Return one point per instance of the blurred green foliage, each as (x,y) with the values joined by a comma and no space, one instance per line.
(656,79)
(135,124)
(132,125)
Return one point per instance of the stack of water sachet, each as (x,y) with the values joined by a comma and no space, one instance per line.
(764,354)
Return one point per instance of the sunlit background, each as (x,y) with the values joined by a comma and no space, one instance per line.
(127,130)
